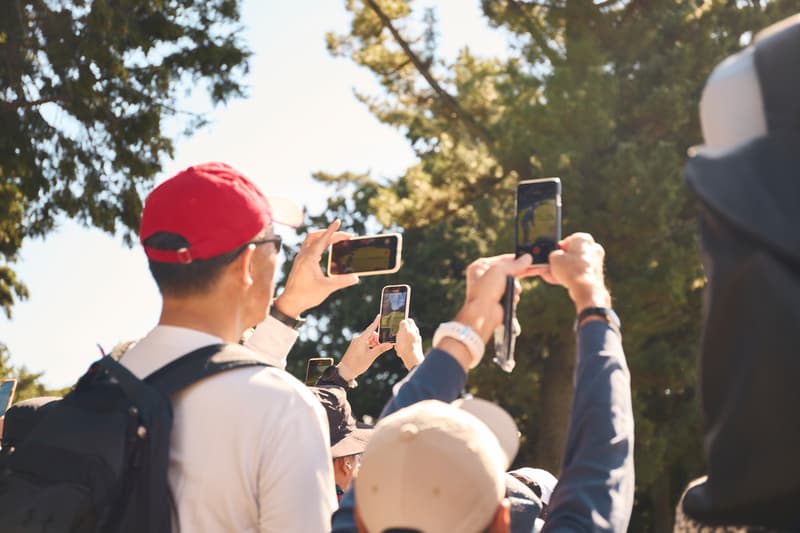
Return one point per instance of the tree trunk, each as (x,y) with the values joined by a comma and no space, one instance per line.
(663,512)
(556,402)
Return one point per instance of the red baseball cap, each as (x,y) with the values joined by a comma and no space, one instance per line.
(215,208)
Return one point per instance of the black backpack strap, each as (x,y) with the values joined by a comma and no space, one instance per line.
(200,364)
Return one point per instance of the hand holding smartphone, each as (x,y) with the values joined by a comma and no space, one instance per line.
(366,256)
(395,301)
(537,227)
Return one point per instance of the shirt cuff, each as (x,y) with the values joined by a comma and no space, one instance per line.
(273,340)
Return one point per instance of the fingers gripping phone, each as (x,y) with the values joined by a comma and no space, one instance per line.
(537,227)
(366,256)
(395,300)
(7,389)
(505,335)
(315,367)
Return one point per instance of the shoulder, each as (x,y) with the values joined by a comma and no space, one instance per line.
(258,392)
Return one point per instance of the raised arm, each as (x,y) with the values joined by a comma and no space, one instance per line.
(595,490)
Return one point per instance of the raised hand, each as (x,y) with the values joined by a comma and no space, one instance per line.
(363,350)
(307,285)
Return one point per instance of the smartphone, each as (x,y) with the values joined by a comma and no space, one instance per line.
(538,218)
(395,301)
(7,389)
(366,256)
(315,367)
(505,335)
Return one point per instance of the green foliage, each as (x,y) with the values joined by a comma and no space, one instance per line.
(28,383)
(85,88)
(602,94)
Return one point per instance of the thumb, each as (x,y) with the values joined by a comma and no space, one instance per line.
(383,347)
(342,281)
(518,266)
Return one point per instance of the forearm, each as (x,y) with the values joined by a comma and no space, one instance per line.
(273,340)
(595,491)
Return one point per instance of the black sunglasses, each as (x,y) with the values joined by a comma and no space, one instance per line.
(276,241)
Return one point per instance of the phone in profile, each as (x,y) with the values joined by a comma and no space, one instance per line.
(505,335)
(315,367)
(395,300)
(537,227)
(366,256)
(7,389)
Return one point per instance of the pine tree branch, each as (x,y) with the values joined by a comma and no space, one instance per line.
(469,121)
(536,33)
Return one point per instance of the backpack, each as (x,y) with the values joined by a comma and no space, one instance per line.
(97,460)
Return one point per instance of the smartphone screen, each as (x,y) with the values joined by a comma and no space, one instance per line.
(377,254)
(7,388)
(315,367)
(394,308)
(538,218)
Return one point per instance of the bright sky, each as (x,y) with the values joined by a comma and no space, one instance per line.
(300,117)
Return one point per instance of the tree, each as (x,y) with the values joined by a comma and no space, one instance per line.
(29,384)
(85,89)
(602,94)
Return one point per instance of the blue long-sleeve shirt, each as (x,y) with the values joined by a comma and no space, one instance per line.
(595,491)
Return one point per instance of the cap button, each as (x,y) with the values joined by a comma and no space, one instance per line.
(408,432)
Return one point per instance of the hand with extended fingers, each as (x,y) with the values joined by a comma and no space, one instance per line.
(307,285)
(363,350)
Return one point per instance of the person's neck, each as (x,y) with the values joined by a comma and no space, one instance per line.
(205,313)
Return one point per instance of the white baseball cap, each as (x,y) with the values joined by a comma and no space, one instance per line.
(436,467)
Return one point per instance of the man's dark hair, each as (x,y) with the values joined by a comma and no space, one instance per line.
(179,279)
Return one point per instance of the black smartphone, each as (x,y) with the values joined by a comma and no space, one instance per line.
(538,218)
(7,389)
(505,335)
(315,367)
(366,256)
(395,300)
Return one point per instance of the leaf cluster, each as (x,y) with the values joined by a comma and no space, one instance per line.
(85,89)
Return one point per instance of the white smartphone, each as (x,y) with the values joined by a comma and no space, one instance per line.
(366,256)
(395,302)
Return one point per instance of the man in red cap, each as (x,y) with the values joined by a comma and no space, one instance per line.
(249,446)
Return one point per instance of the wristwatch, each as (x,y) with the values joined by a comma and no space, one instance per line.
(283,318)
(465,335)
(606,312)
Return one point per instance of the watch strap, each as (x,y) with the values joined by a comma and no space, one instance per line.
(465,335)
(285,319)
(605,312)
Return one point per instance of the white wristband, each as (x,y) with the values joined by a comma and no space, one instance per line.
(465,335)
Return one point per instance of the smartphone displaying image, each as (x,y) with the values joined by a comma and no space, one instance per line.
(315,368)
(366,256)
(395,301)
(7,389)
(538,218)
